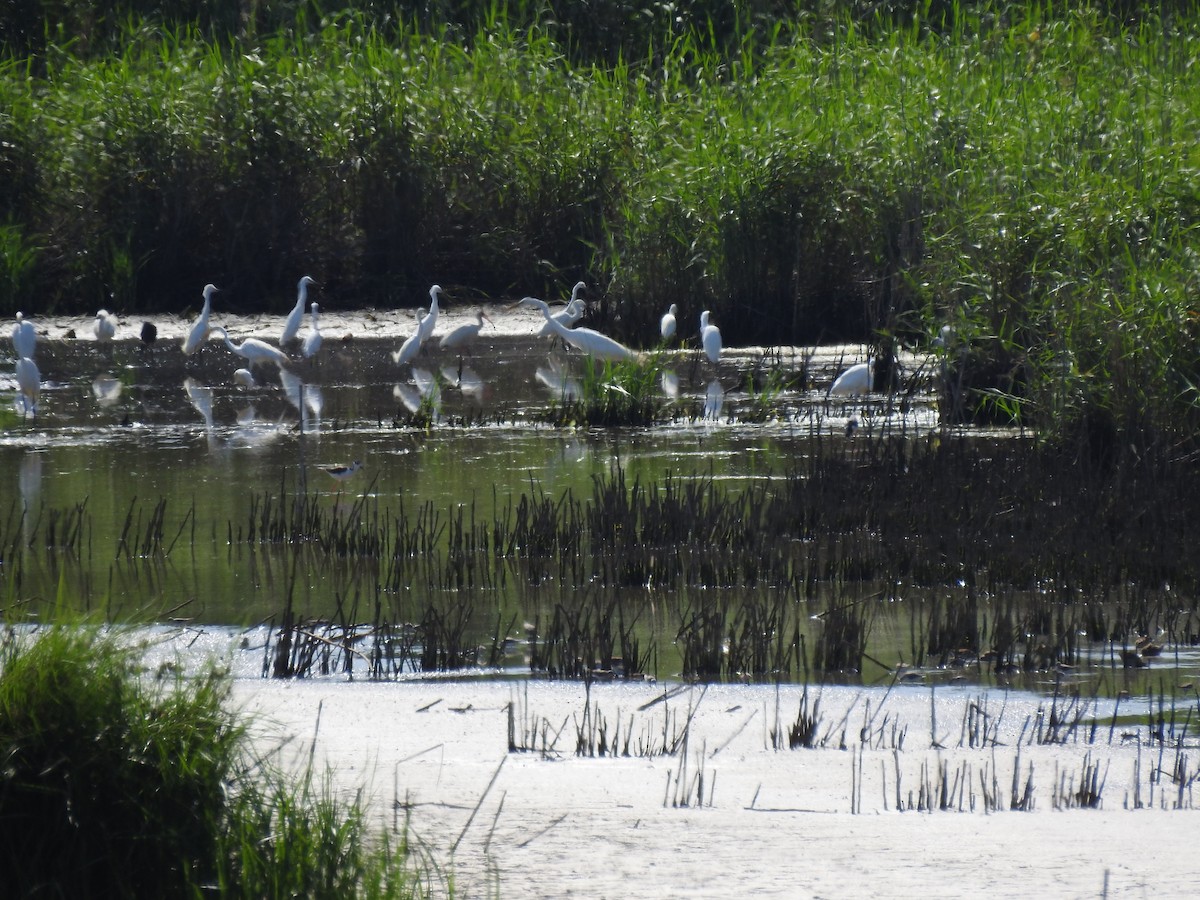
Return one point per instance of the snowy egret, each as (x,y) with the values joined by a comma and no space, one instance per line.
(29,385)
(430,321)
(24,337)
(200,328)
(593,343)
(105,326)
(569,315)
(710,339)
(464,334)
(342,473)
(254,350)
(295,318)
(667,324)
(411,347)
(566,317)
(243,377)
(857,379)
(312,340)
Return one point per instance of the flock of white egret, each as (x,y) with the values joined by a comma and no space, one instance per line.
(561,324)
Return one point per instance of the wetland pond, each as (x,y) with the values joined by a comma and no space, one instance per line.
(691,728)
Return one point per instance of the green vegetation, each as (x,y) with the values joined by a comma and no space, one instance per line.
(123,783)
(1023,172)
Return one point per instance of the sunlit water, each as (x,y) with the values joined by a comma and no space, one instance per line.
(127,432)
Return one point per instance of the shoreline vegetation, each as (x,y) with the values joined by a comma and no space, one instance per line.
(1011,183)
(120,782)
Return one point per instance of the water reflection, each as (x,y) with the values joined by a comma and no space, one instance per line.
(306,398)
(107,389)
(554,377)
(29,477)
(201,398)
(467,380)
(714,400)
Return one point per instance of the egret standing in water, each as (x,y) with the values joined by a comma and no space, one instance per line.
(858,379)
(29,385)
(24,337)
(667,324)
(430,321)
(295,318)
(312,340)
(710,339)
(464,335)
(200,328)
(256,352)
(105,326)
(411,347)
(593,343)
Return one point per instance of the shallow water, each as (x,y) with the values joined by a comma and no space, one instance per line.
(122,428)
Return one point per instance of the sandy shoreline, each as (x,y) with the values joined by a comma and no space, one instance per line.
(779,823)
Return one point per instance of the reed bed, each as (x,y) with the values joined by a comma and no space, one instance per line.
(124,783)
(1002,170)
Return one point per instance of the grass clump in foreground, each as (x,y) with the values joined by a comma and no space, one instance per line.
(120,783)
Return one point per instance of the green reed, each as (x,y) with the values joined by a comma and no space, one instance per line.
(1008,170)
(120,782)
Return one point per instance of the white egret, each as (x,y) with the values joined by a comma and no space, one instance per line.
(593,343)
(312,340)
(463,335)
(29,385)
(342,473)
(567,317)
(255,351)
(291,327)
(105,326)
(710,339)
(411,347)
(243,377)
(200,328)
(858,379)
(430,321)
(24,337)
(667,323)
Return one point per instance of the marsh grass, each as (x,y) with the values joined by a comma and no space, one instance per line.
(1003,168)
(120,782)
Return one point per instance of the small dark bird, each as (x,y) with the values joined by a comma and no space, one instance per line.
(341,473)
(149,333)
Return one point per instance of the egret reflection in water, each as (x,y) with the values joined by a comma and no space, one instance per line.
(201,398)
(670,384)
(29,477)
(306,398)
(467,380)
(714,400)
(554,377)
(107,389)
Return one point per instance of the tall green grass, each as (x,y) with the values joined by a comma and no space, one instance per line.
(1021,172)
(119,782)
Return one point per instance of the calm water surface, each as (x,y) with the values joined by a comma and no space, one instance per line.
(135,435)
